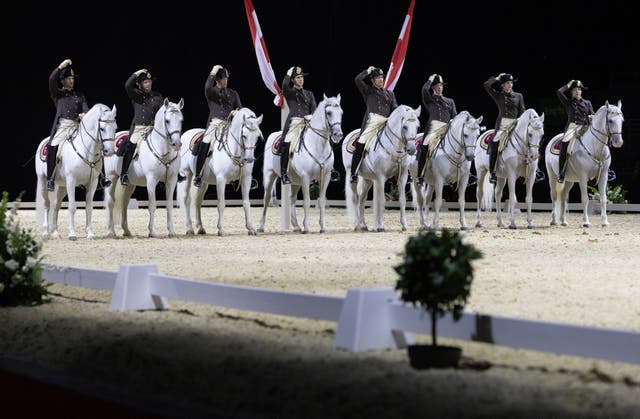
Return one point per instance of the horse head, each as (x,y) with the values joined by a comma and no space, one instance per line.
(409,121)
(469,127)
(333,117)
(249,130)
(169,118)
(613,119)
(535,131)
(107,128)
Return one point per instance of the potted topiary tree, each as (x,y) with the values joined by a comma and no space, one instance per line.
(436,275)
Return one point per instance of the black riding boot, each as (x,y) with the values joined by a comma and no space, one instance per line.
(422,159)
(203,150)
(126,161)
(562,161)
(52,151)
(284,162)
(355,161)
(103,180)
(493,158)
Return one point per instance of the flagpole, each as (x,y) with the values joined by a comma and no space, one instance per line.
(285,190)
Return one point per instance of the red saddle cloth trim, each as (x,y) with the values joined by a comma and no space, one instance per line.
(43,152)
(555,144)
(275,147)
(195,140)
(120,139)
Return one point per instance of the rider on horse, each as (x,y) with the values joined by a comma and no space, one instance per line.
(579,112)
(301,103)
(441,111)
(510,107)
(146,104)
(222,101)
(380,103)
(71,106)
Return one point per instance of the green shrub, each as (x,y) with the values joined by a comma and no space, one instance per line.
(615,195)
(436,274)
(20,261)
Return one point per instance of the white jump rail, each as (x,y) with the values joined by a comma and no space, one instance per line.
(367,318)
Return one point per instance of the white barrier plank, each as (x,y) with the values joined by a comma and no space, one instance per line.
(316,307)
(80,277)
(591,342)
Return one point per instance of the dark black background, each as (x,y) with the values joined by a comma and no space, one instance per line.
(544,44)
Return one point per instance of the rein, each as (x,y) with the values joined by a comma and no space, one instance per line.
(97,139)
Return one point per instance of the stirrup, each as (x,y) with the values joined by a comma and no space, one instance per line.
(493,178)
(181,177)
(420,180)
(335,175)
(197,181)
(51,185)
(124,179)
(285,179)
(561,179)
(105,182)
(354,178)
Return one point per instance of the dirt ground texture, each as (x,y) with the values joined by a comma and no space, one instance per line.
(196,359)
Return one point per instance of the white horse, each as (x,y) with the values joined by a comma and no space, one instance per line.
(232,158)
(388,156)
(591,158)
(519,158)
(158,160)
(80,164)
(450,163)
(312,161)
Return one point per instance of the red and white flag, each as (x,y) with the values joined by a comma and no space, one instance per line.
(397,61)
(262,55)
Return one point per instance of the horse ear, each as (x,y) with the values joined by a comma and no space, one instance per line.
(324,96)
(338,97)
(542,117)
(181,103)
(418,109)
(606,103)
(479,119)
(166,102)
(114,110)
(260,119)
(619,104)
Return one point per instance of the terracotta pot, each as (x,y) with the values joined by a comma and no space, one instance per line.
(429,356)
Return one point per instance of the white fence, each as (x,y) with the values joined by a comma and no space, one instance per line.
(367,318)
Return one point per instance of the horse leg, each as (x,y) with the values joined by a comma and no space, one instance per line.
(184,190)
(378,203)
(602,188)
(109,201)
(169,188)
(89,208)
(499,189)
(292,208)
(197,204)
(362,189)
(529,198)
(322,201)
(418,190)
(126,197)
(58,195)
(512,201)
(221,184)
(151,192)
(246,203)
(479,196)
(553,188)
(462,187)
(437,203)
(402,197)
(268,196)
(306,202)
(584,197)
(46,204)
(563,198)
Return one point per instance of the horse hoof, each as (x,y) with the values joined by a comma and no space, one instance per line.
(586,225)
(478,225)
(531,227)
(380,230)
(464,228)
(111,235)
(91,236)
(404,228)
(252,232)
(260,230)
(220,233)
(126,233)
(190,233)
(73,238)
(512,227)
(297,230)
(172,235)
(305,231)
(323,230)
(55,235)
(152,234)
(553,223)
(201,231)
(564,223)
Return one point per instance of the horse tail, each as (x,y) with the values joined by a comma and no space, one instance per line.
(487,194)
(40,200)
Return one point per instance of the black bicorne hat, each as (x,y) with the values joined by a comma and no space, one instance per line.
(67,72)
(145,75)
(505,77)
(222,73)
(438,79)
(297,71)
(376,72)
(577,83)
